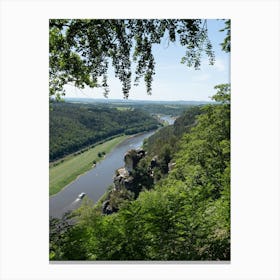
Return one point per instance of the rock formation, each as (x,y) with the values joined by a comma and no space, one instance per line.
(132,157)
(123,177)
(129,180)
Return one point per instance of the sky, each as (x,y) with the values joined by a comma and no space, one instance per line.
(173,81)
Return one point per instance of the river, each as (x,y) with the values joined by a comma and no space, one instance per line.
(96,181)
(168,119)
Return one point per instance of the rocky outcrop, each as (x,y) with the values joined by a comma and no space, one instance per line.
(123,178)
(132,179)
(131,159)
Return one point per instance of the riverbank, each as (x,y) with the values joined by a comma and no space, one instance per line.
(68,170)
(95,181)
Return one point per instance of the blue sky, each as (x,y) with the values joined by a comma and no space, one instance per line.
(173,80)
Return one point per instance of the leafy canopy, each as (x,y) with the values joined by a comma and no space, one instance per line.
(80,50)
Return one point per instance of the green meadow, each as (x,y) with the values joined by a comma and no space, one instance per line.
(60,175)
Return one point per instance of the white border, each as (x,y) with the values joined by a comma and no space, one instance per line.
(255,138)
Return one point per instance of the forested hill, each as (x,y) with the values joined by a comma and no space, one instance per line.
(75,126)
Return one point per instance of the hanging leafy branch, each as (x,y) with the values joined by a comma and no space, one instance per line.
(226,43)
(80,50)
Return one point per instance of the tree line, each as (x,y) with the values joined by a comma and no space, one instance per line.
(76,126)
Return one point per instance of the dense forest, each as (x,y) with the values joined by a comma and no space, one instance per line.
(75,126)
(182,213)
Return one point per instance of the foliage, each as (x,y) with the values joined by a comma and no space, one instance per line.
(80,50)
(226,43)
(59,229)
(161,148)
(164,143)
(186,216)
(186,120)
(76,126)
(117,198)
(141,178)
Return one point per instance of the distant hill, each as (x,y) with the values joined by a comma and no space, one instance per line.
(172,108)
(131,101)
(76,126)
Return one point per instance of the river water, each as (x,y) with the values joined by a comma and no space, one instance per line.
(168,119)
(96,181)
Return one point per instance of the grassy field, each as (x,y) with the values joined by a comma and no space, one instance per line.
(67,171)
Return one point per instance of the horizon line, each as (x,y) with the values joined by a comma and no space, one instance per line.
(128,100)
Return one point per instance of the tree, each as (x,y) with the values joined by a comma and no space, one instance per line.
(80,50)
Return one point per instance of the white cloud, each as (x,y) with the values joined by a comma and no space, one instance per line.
(219,65)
